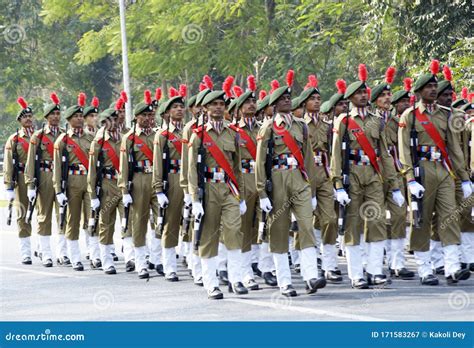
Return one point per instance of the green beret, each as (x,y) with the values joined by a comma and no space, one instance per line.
(262,104)
(459,103)
(335,98)
(112,105)
(467,106)
(377,91)
(354,87)
(90,110)
(72,110)
(424,80)
(295,103)
(210,97)
(161,110)
(443,85)
(232,105)
(325,107)
(277,93)
(192,100)
(398,95)
(308,93)
(200,96)
(25,111)
(241,100)
(169,102)
(106,114)
(141,108)
(49,109)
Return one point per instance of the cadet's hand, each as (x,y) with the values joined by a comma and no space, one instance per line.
(31,195)
(62,199)
(127,200)
(95,204)
(162,200)
(466,189)
(342,197)
(243,207)
(266,205)
(398,197)
(10,195)
(187,199)
(416,189)
(198,210)
(314,202)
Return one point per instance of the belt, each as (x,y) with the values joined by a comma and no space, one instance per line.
(214,174)
(429,153)
(46,166)
(359,158)
(248,166)
(110,173)
(21,167)
(144,167)
(285,161)
(318,158)
(175,166)
(77,169)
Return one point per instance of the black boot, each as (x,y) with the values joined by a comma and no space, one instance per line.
(402,273)
(378,279)
(172,277)
(270,279)
(333,277)
(130,266)
(360,284)
(110,270)
(159,269)
(215,294)
(143,274)
(78,266)
(223,278)
(430,279)
(314,284)
(288,291)
(238,288)
(26,261)
(96,264)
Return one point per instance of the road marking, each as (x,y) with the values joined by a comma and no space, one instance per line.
(306,310)
(15,269)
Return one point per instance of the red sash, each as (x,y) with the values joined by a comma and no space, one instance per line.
(249,144)
(49,144)
(80,154)
(23,142)
(178,145)
(112,154)
(293,147)
(363,142)
(143,147)
(436,137)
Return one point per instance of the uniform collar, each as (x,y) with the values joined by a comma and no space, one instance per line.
(173,127)
(361,112)
(213,124)
(246,122)
(308,118)
(145,131)
(430,108)
(26,132)
(281,118)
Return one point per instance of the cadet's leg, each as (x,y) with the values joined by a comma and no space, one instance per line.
(21,202)
(75,191)
(142,196)
(44,206)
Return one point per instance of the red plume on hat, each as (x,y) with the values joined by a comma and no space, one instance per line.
(81,99)
(407,82)
(183,90)
(95,102)
(124,96)
(54,98)
(202,86)
(434,66)
(390,74)
(227,86)
(251,84)
(290,75)
(275,85)
(312,81)
(262,94)
(119,104)
(369,91)
(208,81)
(238,91)
(447,73)
(173,92)
(158,93)
(147,97)
(362,72)
(341,86)
(464,93)
(22,102)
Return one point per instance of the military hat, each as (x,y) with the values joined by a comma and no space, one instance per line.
(325,107)
(403,93)
(310,88)
(262,100)
(175,96)
(192,100)
(232,101)
(249,93)
(106,114)
(145,106)
(79,108)
(468,106)
(214,95)
(277,92)
(463,100)
(424,79)
(384,86)
(341,86)
(25,109)
(93,108)
(205,88)
(296,103)
(355,86)
(49,108)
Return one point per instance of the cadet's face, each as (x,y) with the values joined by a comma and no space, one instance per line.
(91,120)
(216,109)
(121,116)
(195,110)
(341,107)
(402,105)
(360,98)
(54,118)
(77,120)
(429,92)
(143,120)
(177,111)
(470,112)
(313,103)
(384,100)
(283,103)
(26,120)
(446,98)
(268,111)
(249,107)
(298,113)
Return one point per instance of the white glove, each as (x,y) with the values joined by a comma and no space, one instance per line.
(162,200)
(266,205)
(62,199)
(416,189)
(398,197)
(10,195)
(342,197)
(95,204)
(314,202)
(466,189)
(127,200)
(31,195)
(187,199)
(198,210)
(243,207)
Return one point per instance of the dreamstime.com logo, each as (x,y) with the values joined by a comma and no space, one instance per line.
(45,336)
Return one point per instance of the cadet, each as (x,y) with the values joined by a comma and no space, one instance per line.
(359,148)
(71,163)
(137,145)
(16,153)
(435,138)
(381,98)
(105,148)
(286,141)
(40,183)
(215,147)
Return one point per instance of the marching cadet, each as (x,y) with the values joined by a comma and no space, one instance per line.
(381,98)
(138,144)
(71,163)
(40,183)
(284,141)
(105,148)
(325,222)
(264,111)
(359,148)
(337,104)
(15,155)
(215,168)
(167,157)
(432,179)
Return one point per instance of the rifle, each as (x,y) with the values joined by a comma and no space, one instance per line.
(94,220)
(131,171)
(64,178)
(201,163)
(262,226)
(14,178)
(416,203)
(341,221)
(38,157)
(166,170)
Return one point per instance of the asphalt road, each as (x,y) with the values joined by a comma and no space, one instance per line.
(59,293)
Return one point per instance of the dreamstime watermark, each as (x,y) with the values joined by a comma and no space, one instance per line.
(103,300)
(44,336)
(279,300)
(192,33)
(459,299)
(14,34)
(370,211)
